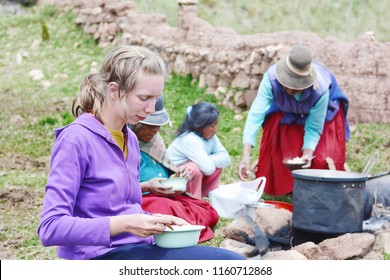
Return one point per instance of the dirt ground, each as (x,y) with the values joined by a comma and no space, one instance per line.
(21,204)
(16,202)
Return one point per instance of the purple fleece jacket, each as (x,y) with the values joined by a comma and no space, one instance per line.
(89,181)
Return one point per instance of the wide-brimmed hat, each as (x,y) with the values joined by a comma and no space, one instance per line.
(160,116)
(296,70)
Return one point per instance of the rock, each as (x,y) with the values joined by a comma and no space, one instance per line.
(245,230)
(36,74)
(243,249)
(347,246)
(270,220)
(372,255)
(283,255)
(382,243)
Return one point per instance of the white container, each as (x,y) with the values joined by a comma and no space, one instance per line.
(180,237)
(178,184)
(230,200)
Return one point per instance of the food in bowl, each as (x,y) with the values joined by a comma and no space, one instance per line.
(179,237)
(178,184)
(294,163)
(296,160)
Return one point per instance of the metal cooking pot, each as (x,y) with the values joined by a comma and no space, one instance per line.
(328,201)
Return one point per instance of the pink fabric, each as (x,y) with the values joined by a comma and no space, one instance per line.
(199,184)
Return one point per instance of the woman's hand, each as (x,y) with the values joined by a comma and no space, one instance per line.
(244,169)
(173,219)
(254,167)
(246,172)
(183,172)
(164,191)
(307,157)
(143,225)
(154,186)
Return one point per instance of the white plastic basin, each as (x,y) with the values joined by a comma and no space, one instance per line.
(180,237)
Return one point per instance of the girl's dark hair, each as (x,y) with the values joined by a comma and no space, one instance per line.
(198,116)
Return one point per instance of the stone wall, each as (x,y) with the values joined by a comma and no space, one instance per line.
(231,65)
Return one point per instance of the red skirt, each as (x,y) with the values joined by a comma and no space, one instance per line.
(280,142)
(194,211)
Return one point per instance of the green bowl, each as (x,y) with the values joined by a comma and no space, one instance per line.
(180,237)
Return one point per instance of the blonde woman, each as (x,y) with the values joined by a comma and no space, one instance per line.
(92,205)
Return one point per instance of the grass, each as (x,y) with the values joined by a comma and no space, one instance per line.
(345,19)
(30,110)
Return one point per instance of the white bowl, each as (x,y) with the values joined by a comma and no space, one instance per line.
(177,183)
(180,237)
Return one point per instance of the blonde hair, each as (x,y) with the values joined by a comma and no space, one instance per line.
(121,65)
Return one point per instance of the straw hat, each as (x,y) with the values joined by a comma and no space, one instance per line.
(296,71)
(160,116)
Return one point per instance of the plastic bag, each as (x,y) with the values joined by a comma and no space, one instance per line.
(230,200)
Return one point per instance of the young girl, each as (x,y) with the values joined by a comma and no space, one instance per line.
(92,206)
(198,148)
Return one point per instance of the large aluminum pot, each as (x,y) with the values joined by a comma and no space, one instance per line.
(328,201)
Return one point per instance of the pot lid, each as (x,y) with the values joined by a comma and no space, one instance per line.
(325,175)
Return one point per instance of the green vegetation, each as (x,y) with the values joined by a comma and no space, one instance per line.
(31,108)
(345,19)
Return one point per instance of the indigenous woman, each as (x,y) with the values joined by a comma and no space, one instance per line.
(303,113)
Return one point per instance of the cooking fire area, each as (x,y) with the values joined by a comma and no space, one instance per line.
(336,216)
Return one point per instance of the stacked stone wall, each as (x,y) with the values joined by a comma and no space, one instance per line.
(232,65)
